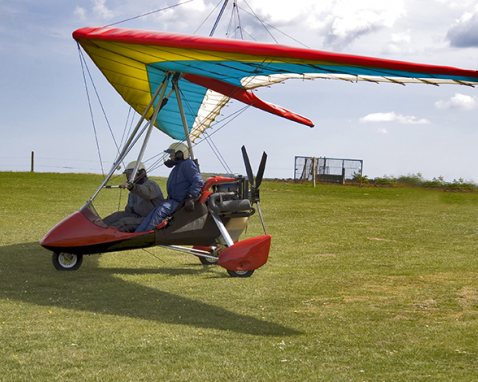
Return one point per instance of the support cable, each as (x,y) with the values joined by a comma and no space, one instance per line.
(99,101)
(213,147)
(148,13)
(91,110)
(266,25)
(207,17)
(127,130)
(218,154)
(239,26)
(231,18)
(230,118)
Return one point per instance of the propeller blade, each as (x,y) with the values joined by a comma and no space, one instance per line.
(247,163)
(260,172)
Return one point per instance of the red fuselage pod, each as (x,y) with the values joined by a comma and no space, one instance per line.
(83,232)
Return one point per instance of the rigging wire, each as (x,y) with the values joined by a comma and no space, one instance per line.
(239,26)
(126,126)
(207,17)
(251,37)
(218,154)
(91,109)
(214,148)
(265,25)
(100,103)
(257,17)
(148,13)
(231,117)
(152,254)
(231,18)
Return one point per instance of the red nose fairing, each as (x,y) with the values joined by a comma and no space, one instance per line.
(84,232)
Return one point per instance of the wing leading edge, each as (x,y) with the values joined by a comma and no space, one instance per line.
(215,70)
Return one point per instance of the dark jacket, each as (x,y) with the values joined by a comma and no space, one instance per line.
(144,197)
(184,181)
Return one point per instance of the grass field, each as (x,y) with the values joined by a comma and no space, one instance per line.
(363,284)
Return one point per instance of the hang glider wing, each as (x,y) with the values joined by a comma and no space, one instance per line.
(214,70)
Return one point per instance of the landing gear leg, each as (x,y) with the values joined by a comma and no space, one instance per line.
(213,252)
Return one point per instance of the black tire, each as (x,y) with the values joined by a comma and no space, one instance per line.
(213,251)
(207,260)
(240,273)
(66,261)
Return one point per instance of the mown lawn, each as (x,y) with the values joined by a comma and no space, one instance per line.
(363,284)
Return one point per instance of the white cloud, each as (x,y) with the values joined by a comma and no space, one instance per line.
(461,4)
(282,12)
(400,43)
(458,101)
(463,32)
(339,22)
(350,20)
(393,117)
(101,10)
(80,13)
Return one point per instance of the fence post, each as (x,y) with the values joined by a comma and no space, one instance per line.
(314,170)
(32,162)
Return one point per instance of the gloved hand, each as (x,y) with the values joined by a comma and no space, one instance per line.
(189,204)
(127,185)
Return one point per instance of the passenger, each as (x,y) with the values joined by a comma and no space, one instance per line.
(144,195)
(184,186)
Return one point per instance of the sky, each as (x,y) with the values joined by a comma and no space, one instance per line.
(396,130)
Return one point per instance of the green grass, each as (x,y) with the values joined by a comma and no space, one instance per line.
(362,284)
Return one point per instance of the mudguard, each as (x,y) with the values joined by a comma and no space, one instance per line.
(246,255)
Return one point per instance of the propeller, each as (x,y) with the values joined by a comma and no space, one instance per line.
(254,184)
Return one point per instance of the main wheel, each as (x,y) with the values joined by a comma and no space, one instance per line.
(207,260)
(66,261)
(240,273)
(213,251)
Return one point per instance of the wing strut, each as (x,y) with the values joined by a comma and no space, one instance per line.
(160,98)
(183,116)
(150,128)
(136,133)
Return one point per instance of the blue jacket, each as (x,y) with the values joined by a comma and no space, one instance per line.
(184,181)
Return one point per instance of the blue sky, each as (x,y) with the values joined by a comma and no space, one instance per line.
(396,130)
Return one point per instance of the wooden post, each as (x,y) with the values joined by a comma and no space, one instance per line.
(32,162)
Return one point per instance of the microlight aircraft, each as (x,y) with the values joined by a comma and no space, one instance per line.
(154,73)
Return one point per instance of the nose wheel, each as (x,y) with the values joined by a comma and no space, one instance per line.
(66,261)
(240,273)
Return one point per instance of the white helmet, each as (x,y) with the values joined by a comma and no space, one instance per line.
(132,165)
(178,147)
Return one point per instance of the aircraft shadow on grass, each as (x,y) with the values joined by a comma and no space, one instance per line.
(37,282)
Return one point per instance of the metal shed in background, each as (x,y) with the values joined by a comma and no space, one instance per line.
(322,169)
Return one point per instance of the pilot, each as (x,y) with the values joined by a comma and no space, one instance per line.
(144,195)
(184,186)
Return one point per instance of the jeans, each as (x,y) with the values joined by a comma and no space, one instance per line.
(156,216)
